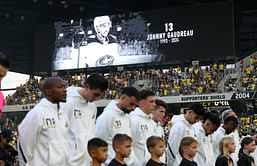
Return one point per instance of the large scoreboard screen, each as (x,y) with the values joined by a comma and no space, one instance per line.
(163,35)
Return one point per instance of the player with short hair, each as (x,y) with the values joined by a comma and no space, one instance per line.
(43,133)
(81,111)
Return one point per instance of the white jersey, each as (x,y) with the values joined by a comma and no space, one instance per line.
(96,54)
(111,122)
(142,128)
(205,153)
(177,118)
(180,130)
(216,138)
(82,116)
(43,136)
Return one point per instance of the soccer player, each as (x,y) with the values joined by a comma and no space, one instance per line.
(115,120)
(81,111)
(43,132)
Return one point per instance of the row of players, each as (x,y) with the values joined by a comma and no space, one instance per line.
(56,131)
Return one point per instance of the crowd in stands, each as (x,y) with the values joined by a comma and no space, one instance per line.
(194,80)
(230,84)
(247,125)
(28,93)
(249,79)
(172,81)
(191,80)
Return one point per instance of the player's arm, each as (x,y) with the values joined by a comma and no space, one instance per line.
(175,136)
(134,128)
(29,131)
(103,123)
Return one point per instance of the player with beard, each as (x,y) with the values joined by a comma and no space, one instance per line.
(181,129)
(229,126)
(115,120)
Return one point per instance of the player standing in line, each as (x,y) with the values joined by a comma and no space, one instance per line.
(180,130)
(115,120)
(81,111)
(43,133)
(142,126)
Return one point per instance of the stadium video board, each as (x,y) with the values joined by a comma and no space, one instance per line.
(163,35)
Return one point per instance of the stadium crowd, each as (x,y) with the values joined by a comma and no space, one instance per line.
(249,78)
(28,93)
(192,80)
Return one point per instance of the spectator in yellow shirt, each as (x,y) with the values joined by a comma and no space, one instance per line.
(251,61)
(253,86)
(221,66)
(23,100)
(200,90)
(248,71)
(165,92)
(215,66)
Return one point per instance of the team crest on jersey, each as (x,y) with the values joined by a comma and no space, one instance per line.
(117,124)
(144,128)
(105,60)
(77,114)
(50,122)
(187,133)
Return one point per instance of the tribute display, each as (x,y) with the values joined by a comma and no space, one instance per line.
(167,35)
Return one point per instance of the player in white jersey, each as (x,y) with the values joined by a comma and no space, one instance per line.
(229,126)
(81,111)
(203,129)
(142,126)
(115,120)
(43,132)
(182,128)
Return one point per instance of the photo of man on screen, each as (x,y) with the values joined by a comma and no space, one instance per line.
(103,41)
(99,48)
